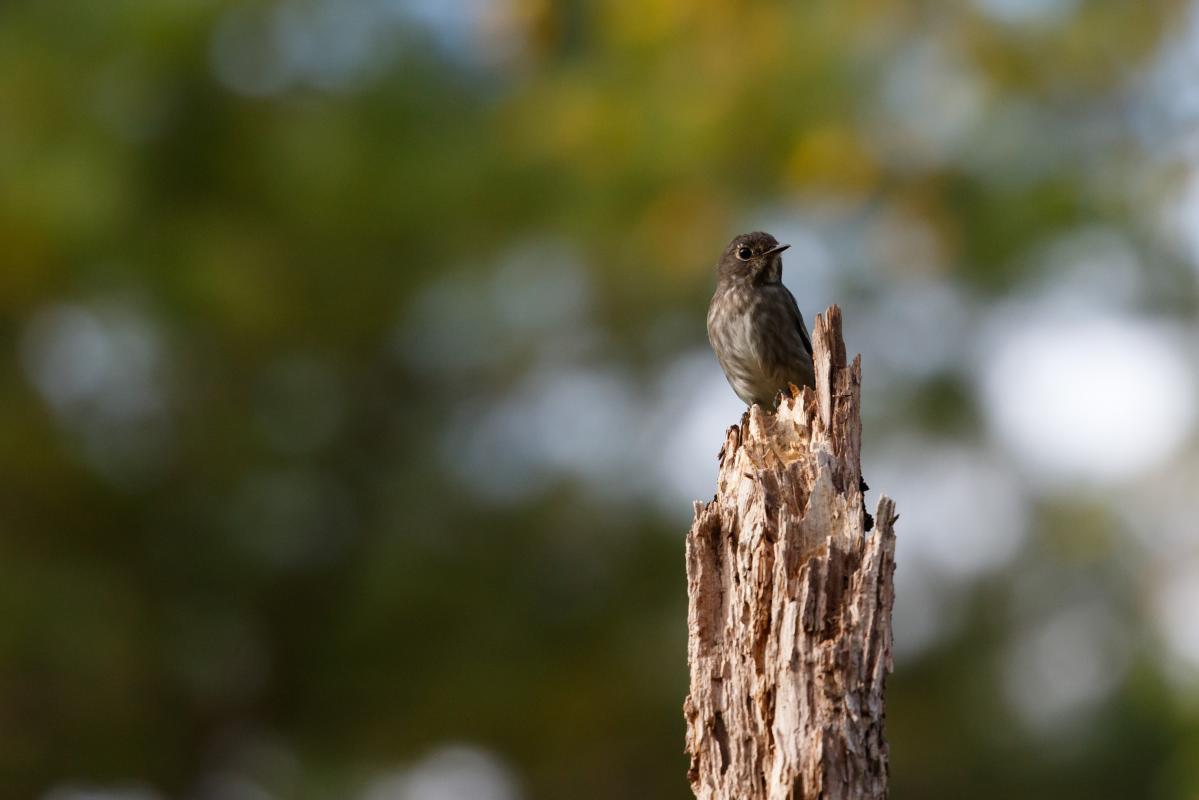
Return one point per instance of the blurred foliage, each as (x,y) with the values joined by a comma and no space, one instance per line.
(230,522)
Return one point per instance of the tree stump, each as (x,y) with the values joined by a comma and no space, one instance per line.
(789,613)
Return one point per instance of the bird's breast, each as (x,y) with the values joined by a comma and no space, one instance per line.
(732,329)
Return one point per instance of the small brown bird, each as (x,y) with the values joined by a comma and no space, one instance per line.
(754,323)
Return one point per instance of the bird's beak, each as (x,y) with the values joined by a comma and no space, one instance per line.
(774,251)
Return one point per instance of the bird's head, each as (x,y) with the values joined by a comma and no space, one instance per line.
(752,258)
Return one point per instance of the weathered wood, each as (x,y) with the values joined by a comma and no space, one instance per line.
(790,602)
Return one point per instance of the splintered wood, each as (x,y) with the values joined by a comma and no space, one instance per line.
(790,602)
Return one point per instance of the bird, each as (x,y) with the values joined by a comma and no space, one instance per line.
(754,324)
(757,330)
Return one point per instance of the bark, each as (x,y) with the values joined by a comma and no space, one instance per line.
(790,602)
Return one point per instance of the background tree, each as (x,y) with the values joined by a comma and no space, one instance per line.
(355,387)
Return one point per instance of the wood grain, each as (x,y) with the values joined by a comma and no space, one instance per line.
(790,602)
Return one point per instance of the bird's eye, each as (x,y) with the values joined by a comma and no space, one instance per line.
(744,253)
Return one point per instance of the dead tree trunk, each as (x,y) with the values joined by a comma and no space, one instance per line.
(790,603)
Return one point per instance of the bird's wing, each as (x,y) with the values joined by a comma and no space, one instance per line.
(799,323)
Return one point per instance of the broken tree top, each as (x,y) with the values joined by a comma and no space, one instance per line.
(790,602)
